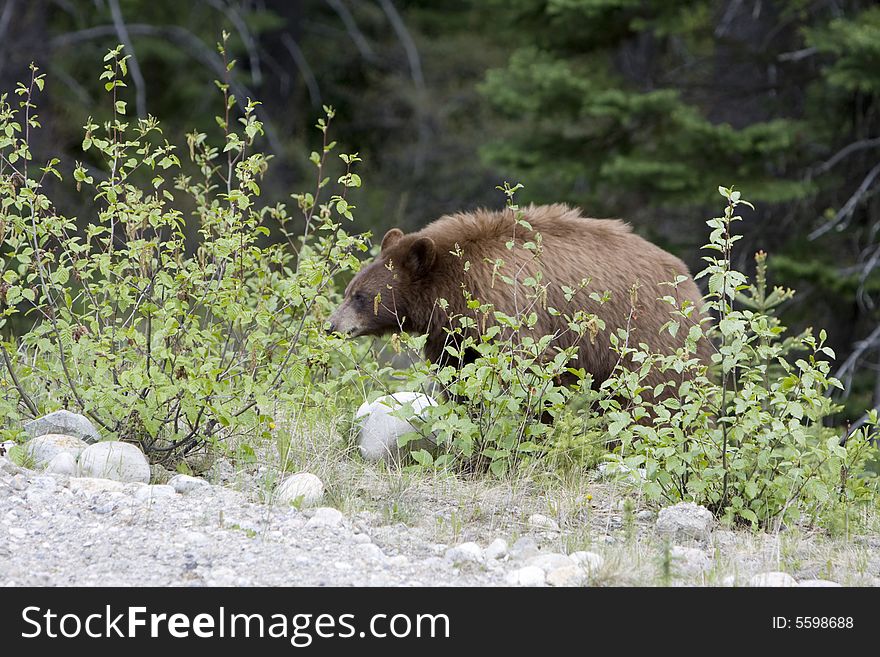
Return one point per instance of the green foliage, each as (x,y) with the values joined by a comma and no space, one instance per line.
(158,342)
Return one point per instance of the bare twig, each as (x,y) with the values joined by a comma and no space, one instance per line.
(184,39)
(5,19)
(415,67)
(296,54)
(859,350)
(247,38)
(843,153)
(797,55)
(140,86)
(846,211)
(353,30)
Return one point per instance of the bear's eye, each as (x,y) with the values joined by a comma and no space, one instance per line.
(360,297)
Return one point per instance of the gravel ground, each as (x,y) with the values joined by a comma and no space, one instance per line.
(62,531)
(57,530)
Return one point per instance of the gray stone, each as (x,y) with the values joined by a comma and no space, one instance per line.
(156,491)
(63,422)
(589,561)
(465,552)
(689,561)
(497,549)
(326,517)
(773,579)
(114,460)
(524,548)
(19,482)
(160,474)
(528,576)
(370,551)
(63,463)
(185,484)
(93,485)
(685,520)
(540,521)
(302,488)
(550,561)
(43,449)
(379,428)
(567,576)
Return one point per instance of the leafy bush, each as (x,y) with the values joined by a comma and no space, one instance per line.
(157,341)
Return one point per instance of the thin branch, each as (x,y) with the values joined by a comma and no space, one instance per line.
(5,19)
(415,67)
(797,55)
(140,86)
(409,46)
(187,41)
(247,38)
(296,54)
(21,391)
(357,37)
(846,211)
(858,351)
(845,152)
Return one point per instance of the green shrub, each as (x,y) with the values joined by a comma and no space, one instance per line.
(159,342)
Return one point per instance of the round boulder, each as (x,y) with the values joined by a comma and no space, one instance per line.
(63,422)
(685,520)
(43,449)
(379,426)
(302,488)
(114,460)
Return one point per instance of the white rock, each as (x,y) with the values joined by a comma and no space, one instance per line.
(326,516)
(497,549)
(114,460)
(550,561)
(773,579)
(148,493)
(379,429)
(17,532)
(303,488)
(540,521)
(63,463)
(524,548)
(362,538)
(685,520)
(690,561)
(465,552)
(63,422)
(370,551)
(818,583)
(185,484)
(92,485)
(43,449)
(589,561)
(728,580)
(567,576)
(528,576)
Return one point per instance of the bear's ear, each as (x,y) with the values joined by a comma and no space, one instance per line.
(421,256)
(391,238)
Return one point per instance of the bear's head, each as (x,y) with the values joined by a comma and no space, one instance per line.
(391,293)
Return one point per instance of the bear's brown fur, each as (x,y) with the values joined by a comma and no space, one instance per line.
(400,288)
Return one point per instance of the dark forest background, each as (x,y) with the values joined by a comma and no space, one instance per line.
(628,108)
